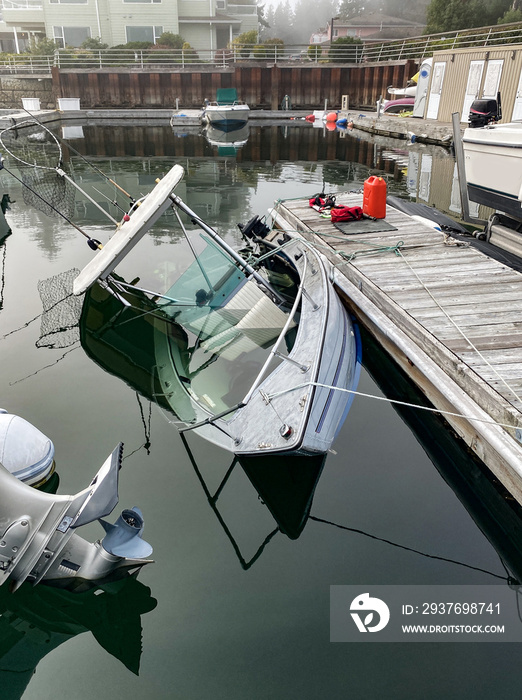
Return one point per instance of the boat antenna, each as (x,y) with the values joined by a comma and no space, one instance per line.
(91,242)
(71,148)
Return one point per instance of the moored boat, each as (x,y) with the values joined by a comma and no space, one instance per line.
(227,112)
(493,162)
(256,356)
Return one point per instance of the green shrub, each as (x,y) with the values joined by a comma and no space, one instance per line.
(173,41)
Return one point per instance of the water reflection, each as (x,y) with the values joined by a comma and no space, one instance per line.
(36,620)
(227,143)
(284,484)
(493,510)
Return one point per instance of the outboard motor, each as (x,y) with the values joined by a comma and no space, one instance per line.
(38,538)
(255,228)
(483,112)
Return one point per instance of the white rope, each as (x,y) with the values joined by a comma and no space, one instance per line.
(394,401)
(508,387)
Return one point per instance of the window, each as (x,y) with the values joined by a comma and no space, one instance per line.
(150,34)
(221,4)
(71,36)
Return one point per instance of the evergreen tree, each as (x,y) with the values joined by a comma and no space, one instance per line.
(451,15)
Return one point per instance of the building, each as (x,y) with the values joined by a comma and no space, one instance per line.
(373,27)
(206,25)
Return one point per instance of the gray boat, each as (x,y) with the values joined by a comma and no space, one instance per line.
(257,356)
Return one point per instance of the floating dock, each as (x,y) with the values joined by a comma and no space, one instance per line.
(449,315)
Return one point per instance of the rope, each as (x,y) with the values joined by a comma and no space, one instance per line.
(456,326)
(393,401)
(508,578)
(397,249)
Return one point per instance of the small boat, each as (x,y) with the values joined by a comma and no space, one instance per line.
(227,112)
(255,352)
(403,104)
(493,162)
(397,93)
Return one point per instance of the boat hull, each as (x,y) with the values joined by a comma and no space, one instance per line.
(226,117)
(493,161)
(301,405)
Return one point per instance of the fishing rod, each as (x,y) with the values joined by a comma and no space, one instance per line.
(94,167)
(91,242)
(111,201)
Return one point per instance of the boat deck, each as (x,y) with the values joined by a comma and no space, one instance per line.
(450,315)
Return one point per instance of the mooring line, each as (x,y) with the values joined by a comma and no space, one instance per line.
(393,401)
(508,578)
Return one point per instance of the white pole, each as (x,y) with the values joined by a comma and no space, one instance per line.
(98,19)
(16,40)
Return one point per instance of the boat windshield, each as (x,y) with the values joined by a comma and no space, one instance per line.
(221,326)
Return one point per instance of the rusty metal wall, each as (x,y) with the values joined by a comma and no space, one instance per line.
(261,86)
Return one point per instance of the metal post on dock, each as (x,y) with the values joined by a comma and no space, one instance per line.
(459,158)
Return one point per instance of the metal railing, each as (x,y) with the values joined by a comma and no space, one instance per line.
(22,4)
(415,48)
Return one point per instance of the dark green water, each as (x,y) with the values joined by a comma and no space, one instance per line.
(219,630)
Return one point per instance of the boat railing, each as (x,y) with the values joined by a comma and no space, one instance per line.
(274,352)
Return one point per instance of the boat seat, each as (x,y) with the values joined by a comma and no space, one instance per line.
(259,326)
(222,318)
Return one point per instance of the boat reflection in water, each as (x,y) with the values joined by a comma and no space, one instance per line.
(122,343)
(492,509)
(35,621)
(286,485)
(227,143)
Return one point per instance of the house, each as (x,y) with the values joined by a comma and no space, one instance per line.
(204,24)
(373,26)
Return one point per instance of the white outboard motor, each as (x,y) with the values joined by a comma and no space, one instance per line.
(24,451)
(38,539)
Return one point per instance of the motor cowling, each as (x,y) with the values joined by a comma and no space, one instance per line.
(483,112)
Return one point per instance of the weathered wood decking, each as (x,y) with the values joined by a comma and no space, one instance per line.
(450,315)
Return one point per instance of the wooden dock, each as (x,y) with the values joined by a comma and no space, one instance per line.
(447,313)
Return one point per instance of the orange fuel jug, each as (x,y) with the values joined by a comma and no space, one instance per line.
(374,197)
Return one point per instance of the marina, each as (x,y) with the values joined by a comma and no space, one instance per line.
(385,505)
(440,308)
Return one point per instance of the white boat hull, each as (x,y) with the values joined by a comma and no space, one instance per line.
(493,161)
(226,117)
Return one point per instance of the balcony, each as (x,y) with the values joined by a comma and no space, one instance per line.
(21,13)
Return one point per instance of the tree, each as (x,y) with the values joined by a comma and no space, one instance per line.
(510,16)
(44,47)
(451,15)
(173,41)
(244,42)
(93,43)
(344,49)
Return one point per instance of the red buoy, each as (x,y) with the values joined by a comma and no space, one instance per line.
(310,118)
(374,197)
(331,117)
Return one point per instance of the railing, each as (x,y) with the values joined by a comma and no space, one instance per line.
(22,4)
(415,48)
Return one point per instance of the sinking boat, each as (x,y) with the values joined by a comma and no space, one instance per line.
(227,112)
(256,356)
